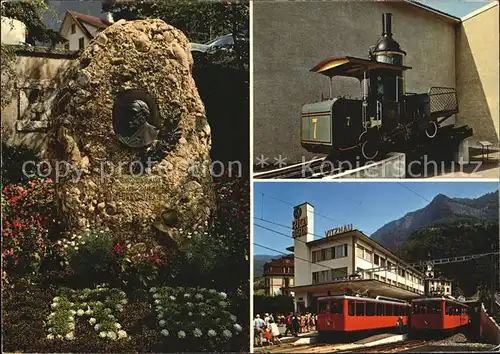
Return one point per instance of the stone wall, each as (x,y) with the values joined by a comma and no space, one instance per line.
(477,54)
(490,330)
(292,37)
(38,74)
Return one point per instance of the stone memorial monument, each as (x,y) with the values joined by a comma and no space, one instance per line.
(130,139)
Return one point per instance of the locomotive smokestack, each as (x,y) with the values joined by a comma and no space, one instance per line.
(387,24)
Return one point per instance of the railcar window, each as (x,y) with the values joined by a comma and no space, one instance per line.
(336,307)
(350,309)
(416,309)
(448,310)
(397,310)
(434,307)
(380,309)
(388,310)
(360,308)
(370,309)
(324,306)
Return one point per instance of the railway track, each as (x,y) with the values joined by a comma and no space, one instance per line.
(316,168)
(389,347)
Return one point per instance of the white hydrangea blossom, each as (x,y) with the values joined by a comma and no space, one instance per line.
(159,316)
(92,321)
(118,326)
(54,305)
(237,327)
(197,333)
(97,327)
(190,314)
(212,291)
(56,299)
(50,336)
(223,295)
(112,335)
(227,334)
(223,304)
(233,318)
(198,296)
(103,334)
(162,323)
(122,334)
(211,333)
(171,297)
(165,332)
(187,296)
(80,312)
(152,290)
(70,336)
(181,334)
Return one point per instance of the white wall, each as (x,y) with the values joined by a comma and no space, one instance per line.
(302,265)
(73,39)
(13,31)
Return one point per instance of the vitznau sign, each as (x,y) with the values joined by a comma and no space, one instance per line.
(338,230)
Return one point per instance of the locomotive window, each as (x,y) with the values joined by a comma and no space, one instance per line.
(380,309)
(324,306)
(351,308)
(370,309)
(360,308)
(336,307)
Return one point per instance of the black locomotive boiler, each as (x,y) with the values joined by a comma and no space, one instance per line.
(385,116)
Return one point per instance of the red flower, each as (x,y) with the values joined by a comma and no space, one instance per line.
(118,248)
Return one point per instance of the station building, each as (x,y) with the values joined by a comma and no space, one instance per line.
(346,261)
(279,276)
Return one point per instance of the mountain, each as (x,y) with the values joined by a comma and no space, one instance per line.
(258,263)
(441,210)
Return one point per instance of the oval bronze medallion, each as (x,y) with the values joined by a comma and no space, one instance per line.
(135,118)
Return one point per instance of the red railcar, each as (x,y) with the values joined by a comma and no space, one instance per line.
(438,314)
(353,313)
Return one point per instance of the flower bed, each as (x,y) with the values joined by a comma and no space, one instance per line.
(67,292)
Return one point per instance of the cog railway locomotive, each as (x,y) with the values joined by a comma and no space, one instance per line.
(385,116)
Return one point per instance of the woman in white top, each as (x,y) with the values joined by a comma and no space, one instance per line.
(274,331)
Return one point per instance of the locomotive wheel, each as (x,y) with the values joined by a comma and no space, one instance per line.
(369,149)
(431,130)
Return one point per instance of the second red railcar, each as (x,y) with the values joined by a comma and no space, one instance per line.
(353,313)
(438,314)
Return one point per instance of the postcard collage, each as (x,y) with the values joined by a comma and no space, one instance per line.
(244,176)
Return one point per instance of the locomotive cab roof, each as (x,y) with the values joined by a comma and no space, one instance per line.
(352,67)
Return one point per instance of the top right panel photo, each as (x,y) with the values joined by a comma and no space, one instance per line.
(377,89)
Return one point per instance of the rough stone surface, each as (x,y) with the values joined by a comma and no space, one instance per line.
(154,57)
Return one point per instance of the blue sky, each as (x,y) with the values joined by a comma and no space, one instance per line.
(456,8)
(366,205)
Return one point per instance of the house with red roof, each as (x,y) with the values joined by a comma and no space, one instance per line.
(79,29)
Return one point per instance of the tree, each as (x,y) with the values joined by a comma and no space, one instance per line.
(30,13)
(199,20)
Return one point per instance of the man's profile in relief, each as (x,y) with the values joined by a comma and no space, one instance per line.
(138,133)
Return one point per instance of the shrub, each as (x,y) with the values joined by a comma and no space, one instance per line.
(28,214)
(88,256)
(13,158)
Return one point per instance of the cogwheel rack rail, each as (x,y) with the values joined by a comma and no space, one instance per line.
(326,167)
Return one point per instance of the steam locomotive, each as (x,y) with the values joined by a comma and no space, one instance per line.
(385,116)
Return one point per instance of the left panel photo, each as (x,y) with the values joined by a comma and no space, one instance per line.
(125,197)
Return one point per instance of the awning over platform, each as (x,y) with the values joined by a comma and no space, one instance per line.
(352,67)
(366,287)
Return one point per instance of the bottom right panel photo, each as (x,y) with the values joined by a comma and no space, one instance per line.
(376,267)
